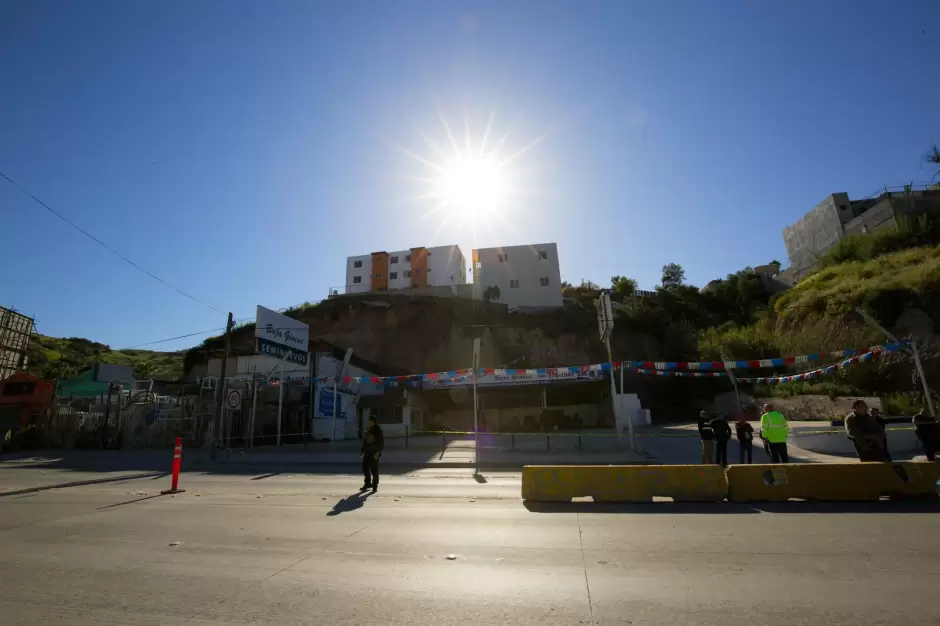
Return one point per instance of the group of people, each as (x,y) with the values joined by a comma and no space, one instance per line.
(715,433)
(867,430)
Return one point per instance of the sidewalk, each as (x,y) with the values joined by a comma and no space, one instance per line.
(342,455)
(452,456)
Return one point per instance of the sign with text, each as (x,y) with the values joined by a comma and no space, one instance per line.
(325,404)
(281,337)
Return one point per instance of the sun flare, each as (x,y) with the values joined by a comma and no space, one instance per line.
(473,184)
(472,187)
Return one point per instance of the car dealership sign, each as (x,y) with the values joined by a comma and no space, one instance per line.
(281,337)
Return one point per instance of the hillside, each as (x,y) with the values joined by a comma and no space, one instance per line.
(895,276)
(52,357)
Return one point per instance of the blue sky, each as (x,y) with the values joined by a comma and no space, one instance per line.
(241,150)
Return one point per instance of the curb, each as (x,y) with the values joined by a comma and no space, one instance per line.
(399,465)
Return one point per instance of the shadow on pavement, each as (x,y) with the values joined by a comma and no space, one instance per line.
(263,476)
(882,506)
(659,508)
(350,503)
(724,508)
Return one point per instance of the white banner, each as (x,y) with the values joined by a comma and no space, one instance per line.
(529,378)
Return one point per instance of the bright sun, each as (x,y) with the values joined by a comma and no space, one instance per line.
(471,185)
(474,184)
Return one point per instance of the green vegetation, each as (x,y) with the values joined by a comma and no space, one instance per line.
(919,233)
(53,358)
(731,318)
(887,283)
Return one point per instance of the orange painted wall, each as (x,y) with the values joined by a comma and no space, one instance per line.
(419,267)
(379,271)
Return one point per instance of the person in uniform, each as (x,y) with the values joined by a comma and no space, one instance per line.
(373,441)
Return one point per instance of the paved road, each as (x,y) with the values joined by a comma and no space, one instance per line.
(283,549)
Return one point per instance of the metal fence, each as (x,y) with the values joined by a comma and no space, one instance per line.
(146,421)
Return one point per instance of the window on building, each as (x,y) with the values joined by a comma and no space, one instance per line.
(378,274)
(479,265)
(407,258)
(357,264)
(407,273)
(429,269)
(389,415)
(513,284)
(394,259)
(502,258)
(393,275)
(357,280)
(543,254)
(543,281)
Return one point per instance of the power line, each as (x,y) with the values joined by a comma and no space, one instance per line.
(151,343)
(104,245)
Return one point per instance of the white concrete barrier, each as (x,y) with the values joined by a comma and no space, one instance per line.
(832,440)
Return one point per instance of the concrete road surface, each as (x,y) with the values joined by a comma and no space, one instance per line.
(293,549)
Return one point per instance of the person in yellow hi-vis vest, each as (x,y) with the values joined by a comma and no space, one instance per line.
(774,430)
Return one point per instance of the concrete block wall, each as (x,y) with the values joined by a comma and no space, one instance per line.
(817,231)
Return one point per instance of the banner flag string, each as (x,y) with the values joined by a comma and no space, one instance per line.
(700,369)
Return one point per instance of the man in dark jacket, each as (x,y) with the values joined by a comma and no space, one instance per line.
(928,431)
(745,433)
(882,429)
(722,436)
(865,433)
(373,441)
(708,438)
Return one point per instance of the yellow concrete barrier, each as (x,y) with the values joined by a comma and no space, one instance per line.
(624,483)
(830,482)
(912,479)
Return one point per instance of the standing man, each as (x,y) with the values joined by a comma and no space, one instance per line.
(928,431)
(722,436)
(775,430)
(745,434)
(865,433)
(882,431)
(373,441)
(708,438)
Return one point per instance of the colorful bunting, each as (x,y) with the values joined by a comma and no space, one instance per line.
(698,369)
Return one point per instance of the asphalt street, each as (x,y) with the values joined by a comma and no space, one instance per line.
(280,548)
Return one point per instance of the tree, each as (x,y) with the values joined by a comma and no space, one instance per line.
(933,156)
(622,287)
(673,275)
(146,369)
(491,293)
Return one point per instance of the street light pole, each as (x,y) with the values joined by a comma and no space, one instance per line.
(221,390)
(476,424)
(911,350)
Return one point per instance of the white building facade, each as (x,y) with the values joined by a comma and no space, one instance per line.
(415,268)
(527,276)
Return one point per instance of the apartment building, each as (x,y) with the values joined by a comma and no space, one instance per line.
(838,216)
(527,276)
(415,268)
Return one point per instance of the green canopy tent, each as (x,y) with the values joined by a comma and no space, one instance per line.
(93,383)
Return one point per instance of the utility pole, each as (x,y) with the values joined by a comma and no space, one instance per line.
(476,406)
(221,390)
(912,350)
